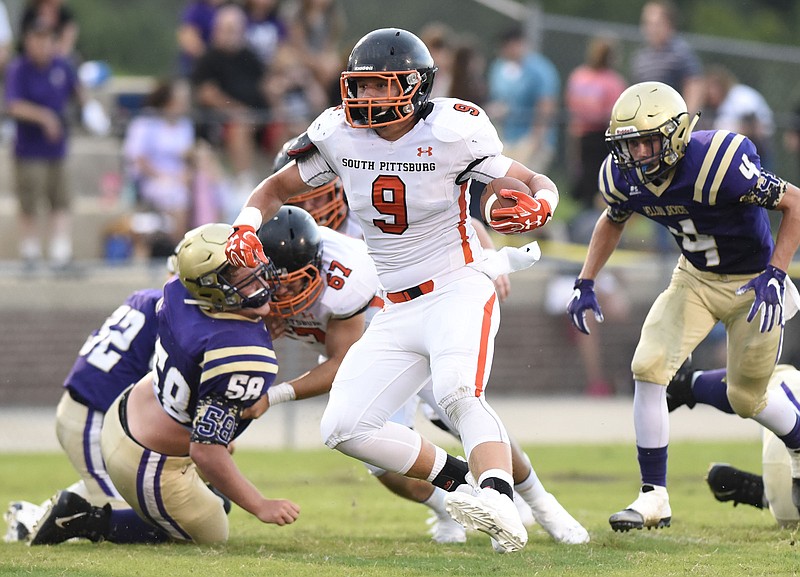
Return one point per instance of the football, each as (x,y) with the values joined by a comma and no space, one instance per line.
(491,199)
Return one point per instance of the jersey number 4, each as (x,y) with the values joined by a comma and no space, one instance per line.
(692,241)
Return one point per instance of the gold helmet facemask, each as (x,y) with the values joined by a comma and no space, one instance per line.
(204,270)
(655,111)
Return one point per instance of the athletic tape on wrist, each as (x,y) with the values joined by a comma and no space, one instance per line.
(281,393)
(550,196)
(251,216)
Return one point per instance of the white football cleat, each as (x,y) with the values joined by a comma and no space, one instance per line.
(445,529)
(490,512)
(650,509)
(555,519)
(21,517)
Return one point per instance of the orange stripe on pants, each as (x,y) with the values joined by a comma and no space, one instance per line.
(485,328)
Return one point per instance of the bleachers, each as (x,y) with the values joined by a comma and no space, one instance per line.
(91,159)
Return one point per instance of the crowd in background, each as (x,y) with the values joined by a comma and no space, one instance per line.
(252,74)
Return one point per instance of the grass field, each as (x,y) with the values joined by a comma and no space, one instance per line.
(351,526)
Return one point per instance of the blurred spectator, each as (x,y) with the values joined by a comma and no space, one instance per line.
(295,96)
(266,30)
(54,14)
(523,100)
(438,37)
(157,151)
(468,78)
(666,57)
(591,91)
(194,32)
(210,185)
(231,94)
(6,50)
(39,86)
(739,108)
(315,30)
(6,38)
(598,383)
(461,67)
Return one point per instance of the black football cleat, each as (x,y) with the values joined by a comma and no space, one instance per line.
(731,484)
(679,389)
(69,516)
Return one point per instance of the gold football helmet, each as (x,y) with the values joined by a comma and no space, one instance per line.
(655,111)
(204,270)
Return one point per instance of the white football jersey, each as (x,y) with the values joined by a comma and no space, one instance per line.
(351,227)
(351,282)
(411,195)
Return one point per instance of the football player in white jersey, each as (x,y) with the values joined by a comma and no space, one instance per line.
(405,163)
(325,300)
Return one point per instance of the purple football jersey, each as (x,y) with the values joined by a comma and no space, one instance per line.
(709,203)
(118,354)
(202,355)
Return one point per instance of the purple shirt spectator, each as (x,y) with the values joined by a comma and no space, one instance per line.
(51,87)
(265,35)
(200,16)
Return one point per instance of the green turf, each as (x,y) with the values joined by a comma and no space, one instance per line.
(351,526)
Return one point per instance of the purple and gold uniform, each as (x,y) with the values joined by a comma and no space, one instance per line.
(209,366)
(709,191)
(118,354)
(113,358)
(715,205)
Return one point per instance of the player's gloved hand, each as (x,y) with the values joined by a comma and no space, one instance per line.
(583,299)
(243,248)
(528,214)
(769,288)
